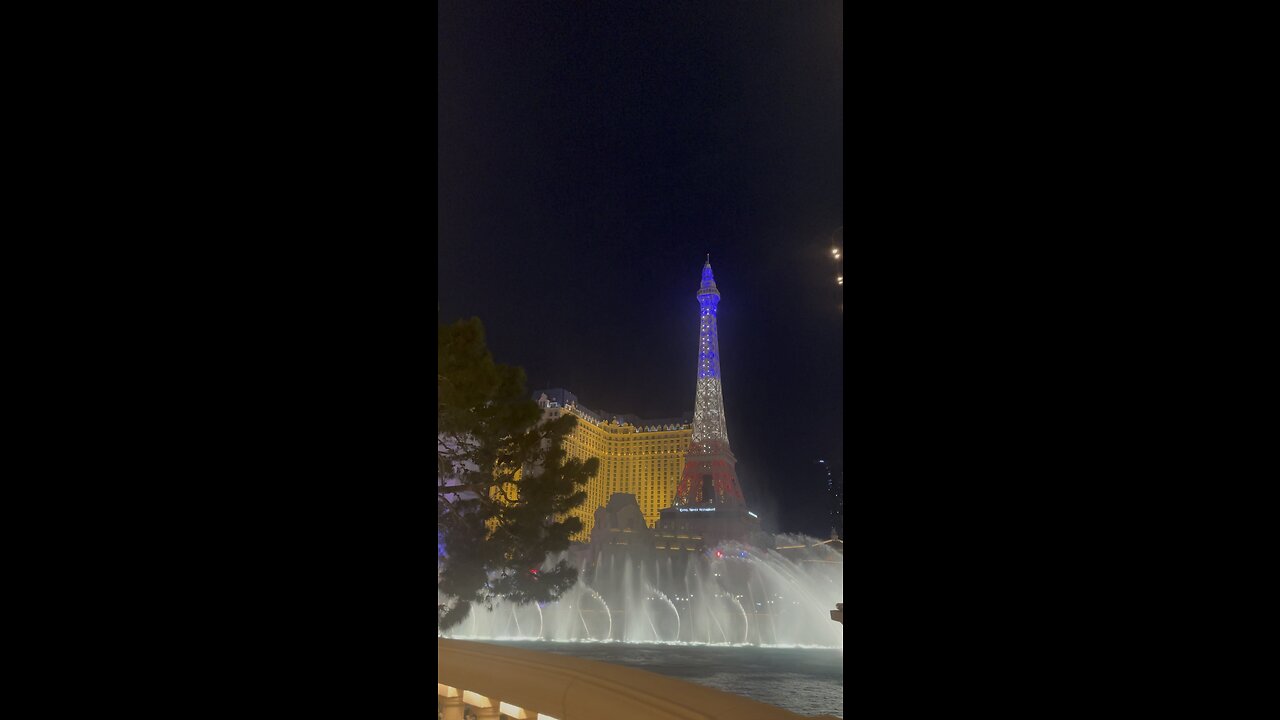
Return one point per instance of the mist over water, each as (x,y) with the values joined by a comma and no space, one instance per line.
(729,595)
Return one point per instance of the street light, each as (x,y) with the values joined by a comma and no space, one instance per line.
(838,256)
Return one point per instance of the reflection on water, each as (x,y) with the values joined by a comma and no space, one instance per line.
(807,681)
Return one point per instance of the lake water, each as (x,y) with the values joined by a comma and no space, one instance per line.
(802,680)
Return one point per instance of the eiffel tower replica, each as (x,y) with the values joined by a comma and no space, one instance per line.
(708,507)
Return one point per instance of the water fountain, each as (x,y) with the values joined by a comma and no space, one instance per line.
(732,594)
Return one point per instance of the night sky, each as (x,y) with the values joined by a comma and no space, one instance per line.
(592,154)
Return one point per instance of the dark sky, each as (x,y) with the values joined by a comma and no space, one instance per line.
(591,154)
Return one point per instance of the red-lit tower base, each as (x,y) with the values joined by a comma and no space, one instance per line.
(708,506)
(709,478)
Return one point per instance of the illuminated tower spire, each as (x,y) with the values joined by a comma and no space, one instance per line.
(709,477)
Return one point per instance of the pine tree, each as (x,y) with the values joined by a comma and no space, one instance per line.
(504,483)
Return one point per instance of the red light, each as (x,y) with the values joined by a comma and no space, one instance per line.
(533,570)
(719,554)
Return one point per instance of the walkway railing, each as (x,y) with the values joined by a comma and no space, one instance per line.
(530,685)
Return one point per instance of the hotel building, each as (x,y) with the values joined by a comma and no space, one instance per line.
(639,457)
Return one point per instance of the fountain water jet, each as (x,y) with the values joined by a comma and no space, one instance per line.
(746,595)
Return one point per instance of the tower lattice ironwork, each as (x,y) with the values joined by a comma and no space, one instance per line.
(709,477)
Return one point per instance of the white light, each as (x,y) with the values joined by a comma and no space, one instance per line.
(512,710)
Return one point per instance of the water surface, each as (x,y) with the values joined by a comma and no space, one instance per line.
(803,680)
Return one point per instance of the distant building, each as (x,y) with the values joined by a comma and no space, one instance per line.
(449,472)
(837,504)
(639,457)
(620,528)
(833,482)
(827,478)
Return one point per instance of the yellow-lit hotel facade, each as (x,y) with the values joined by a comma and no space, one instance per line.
(640,457)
